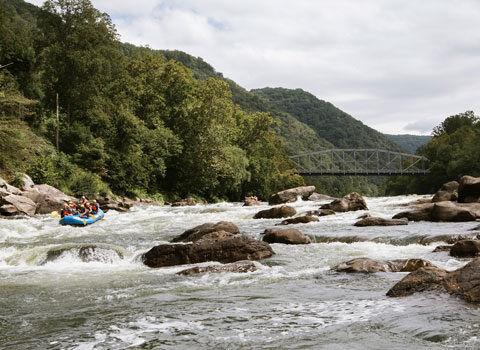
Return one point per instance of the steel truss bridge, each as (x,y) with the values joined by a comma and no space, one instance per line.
(367,161)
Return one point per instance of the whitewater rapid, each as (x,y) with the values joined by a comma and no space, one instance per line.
(55,295)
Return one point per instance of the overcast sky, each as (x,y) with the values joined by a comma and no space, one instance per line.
(398,66)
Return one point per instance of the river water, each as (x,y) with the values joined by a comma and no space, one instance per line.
(293,301)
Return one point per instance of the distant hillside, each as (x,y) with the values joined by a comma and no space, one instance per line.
(330,123)
(409,142)
(296,136)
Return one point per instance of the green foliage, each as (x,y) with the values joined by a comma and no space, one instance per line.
(453,152)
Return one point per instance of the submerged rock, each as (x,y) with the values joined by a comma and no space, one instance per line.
(376,221)
(242,266)
(285,236)
(276,213)
(447,238)
(251,203)
(350,202)
(224,251)
(200,231)
(291,195)
(299,220)
(370,265)
(321,212)
(189,201)
(86,252)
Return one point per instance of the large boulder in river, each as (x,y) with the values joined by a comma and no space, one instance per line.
(469,189)
(291,195)
(242,266)
(6,189)
(449,211)
(285,236)
(463,282)
(284,211)
(13,204)
(224,251)
(299,220)
(47,198)
(370,265)
(448,192)
(420,213)
(198,232)
(350,202)
(376,221)
(466,248)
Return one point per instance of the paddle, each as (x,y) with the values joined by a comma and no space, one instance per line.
(53,214)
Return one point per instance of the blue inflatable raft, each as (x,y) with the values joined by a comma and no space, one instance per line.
(78,221)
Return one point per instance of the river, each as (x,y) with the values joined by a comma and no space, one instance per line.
(293,301)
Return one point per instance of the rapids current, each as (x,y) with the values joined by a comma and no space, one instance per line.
(85,288)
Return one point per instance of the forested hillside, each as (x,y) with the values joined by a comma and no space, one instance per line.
(134,124)
(329,122)
(409,142)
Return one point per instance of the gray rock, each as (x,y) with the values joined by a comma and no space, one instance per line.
(370,265)
(299,220)
(469,189)
(243,266)
(350,202)
(199,232)
(17,205)
(291,195)
(376,221)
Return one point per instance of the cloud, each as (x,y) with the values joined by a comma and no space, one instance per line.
(391,64)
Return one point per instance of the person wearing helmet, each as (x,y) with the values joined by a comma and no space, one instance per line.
(73,206)
(94,206)
(66,211)
(84,213)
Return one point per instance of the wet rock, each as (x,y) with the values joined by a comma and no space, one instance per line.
(370,265)
(13,204)
(251,203)
(320,197)
(224,251)
(189,201)
(463,282)
(285,236)
(447,238)
(469,189)
(299,220)
(350,202)
(423,279)
(342,239)
(321,212)
(200,231)
(466,248)
(243,266)
(276,213)
(448,192)
(291,195)
(86,252)
(442,248)
(376,221)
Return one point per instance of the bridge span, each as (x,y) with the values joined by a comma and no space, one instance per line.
(366,161)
